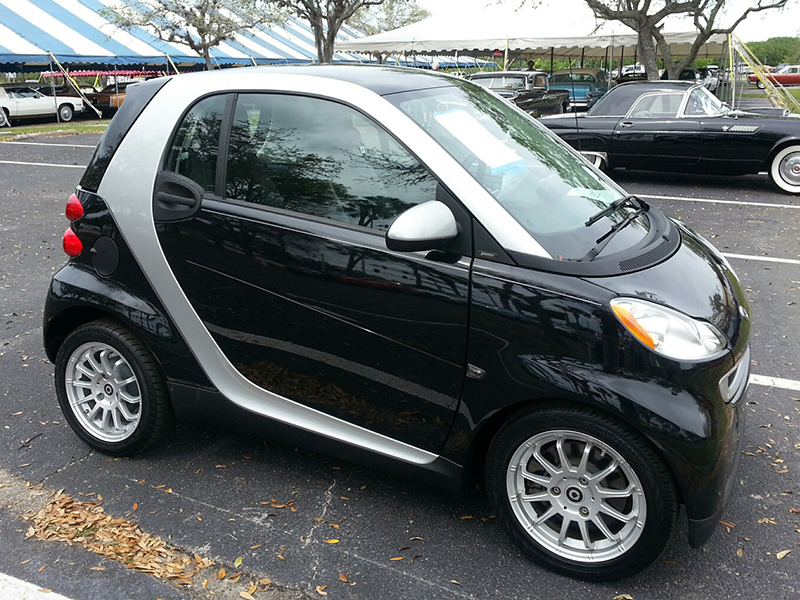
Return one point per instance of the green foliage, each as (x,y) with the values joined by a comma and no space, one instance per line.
(776,50)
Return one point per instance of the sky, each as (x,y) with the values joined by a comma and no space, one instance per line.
(757,27)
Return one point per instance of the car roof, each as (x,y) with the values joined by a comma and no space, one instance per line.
(582,71)
(506,74)
(661,85)
(381,79)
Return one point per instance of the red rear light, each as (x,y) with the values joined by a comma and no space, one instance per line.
(74,209)
(71,243)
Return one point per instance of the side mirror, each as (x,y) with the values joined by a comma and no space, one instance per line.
(422,227)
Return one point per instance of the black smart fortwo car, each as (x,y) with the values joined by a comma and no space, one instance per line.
(407,270)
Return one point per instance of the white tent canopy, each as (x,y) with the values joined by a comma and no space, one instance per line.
(563,29)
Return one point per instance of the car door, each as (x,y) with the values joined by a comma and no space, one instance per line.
(31,103)
(655,135)
(280,249)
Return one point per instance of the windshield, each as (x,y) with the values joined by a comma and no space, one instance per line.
(501,83)
(704,103)
(532,175)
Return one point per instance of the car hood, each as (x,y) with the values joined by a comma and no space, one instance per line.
(695,280)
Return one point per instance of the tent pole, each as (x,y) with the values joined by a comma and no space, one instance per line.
(505,57)
(583,54)
(53,88)
(53,59)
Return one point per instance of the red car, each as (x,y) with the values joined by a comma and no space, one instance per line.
(788,75)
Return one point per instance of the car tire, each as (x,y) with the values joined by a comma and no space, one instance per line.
(111,390)
(610,514)
(4,120)
(784,169)
(760,84)
(65,112)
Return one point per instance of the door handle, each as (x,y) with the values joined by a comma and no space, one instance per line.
(167,198)
(626,124)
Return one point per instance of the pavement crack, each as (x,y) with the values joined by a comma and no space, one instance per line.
(321,518)
(65,467)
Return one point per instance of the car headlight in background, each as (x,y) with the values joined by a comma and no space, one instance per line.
(668,331)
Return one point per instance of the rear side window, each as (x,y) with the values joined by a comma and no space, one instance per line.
(195,146)
(322,159)
(616,102)
(138,96)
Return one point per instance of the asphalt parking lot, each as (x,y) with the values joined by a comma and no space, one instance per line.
(271,511)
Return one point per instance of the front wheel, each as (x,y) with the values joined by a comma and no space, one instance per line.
(111,390)
(581,493)
(4,121)
(760,84)
(65,113)
(784,170)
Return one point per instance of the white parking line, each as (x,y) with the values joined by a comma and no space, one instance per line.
(12,588)
(786,261)
(714,201)
(776,382)
(32,164)
(44,144)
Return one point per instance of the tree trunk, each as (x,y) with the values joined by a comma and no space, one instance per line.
(207,57)
(647,52)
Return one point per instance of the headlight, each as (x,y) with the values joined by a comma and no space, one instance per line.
(667,331)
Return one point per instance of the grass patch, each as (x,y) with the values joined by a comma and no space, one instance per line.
(94,126)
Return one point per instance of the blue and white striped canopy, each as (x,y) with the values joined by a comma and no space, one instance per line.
(74,32)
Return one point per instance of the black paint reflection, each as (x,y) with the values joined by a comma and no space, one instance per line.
(346,328)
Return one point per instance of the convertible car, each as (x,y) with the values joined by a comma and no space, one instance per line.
(530,90)
(681,126)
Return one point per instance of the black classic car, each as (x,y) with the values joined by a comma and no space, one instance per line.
(681,126)
(530,90)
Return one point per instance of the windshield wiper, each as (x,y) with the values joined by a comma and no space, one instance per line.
(602,241)
(616,205)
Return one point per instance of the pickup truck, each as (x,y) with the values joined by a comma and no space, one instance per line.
(20,101)
(529,90)
(585,86)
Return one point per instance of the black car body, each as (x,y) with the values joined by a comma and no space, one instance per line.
(682,127)
(368,260)
(530,90)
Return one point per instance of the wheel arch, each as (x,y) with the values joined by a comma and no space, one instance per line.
(475,466)
(778,146)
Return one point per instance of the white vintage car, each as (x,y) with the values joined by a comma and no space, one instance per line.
(20,101)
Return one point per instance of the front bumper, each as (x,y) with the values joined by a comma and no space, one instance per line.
(701,529)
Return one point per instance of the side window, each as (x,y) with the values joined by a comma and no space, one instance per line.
(194,149)
(657,105)
(322,159)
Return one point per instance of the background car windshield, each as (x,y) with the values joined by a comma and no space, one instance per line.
(502,83)
(533,176)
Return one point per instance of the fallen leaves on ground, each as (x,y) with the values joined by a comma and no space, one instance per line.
(783,554)
(86,524)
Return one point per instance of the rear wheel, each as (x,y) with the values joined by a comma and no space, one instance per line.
(65,113)
(581,493)
(111,390)
(4,121)
(784,169)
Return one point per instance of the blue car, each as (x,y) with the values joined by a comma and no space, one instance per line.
(585,86)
